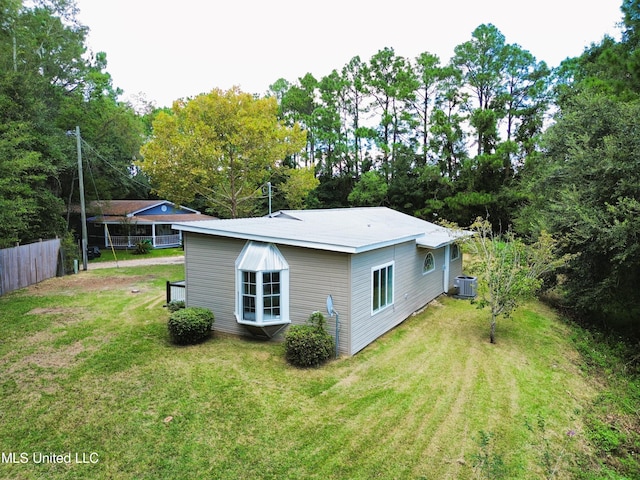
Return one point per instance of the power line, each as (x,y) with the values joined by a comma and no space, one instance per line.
(118,170)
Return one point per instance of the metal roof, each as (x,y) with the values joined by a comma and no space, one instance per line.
(261,257)
(349,230)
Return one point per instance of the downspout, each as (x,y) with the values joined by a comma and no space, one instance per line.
(445,267)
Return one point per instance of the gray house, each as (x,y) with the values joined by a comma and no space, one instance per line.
(259,275)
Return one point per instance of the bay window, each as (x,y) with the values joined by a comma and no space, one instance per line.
(262,285)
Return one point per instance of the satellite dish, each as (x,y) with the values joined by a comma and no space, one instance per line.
(330,309)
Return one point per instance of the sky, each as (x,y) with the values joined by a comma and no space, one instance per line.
(167,50)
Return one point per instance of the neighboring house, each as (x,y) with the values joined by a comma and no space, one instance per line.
(259,275)
(125,223)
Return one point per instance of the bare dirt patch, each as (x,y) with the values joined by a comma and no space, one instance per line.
(87,282)
(55,357)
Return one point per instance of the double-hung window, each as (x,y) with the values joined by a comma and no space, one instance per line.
(271,296)
(249,296)
(382,281)
(262,285)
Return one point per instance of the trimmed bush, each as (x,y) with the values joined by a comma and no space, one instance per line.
(175,305)
(308,345)
(190,325)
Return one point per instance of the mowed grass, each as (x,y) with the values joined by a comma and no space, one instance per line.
(87,368)
(108,255)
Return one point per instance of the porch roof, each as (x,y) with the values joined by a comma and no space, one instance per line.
(150,219)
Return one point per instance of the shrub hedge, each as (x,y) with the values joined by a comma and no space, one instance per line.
(308,345)
(190,325)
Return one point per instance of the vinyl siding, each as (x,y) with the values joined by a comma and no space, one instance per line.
(412,289)
(455,270)
(313,275)
(210,277)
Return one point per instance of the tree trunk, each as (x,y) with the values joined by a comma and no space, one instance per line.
(492,334)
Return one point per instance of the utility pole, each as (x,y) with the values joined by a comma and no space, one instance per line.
(83,211)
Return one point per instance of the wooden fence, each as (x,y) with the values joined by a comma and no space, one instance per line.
(28,264)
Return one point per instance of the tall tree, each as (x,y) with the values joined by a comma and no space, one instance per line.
(355,92)
(448,138)
(526,100)
(481,61)
(392,84)
(332,152)
(297,103)
(221,146)
(429,74)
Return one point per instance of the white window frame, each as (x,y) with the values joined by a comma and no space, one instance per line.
(389,302)
(433,263)
(455,251)
(259,296)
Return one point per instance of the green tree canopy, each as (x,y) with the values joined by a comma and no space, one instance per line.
(48,85)
(221,146)
(587,192)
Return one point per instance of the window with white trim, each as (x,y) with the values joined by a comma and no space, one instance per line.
(263,285)
(249,292)
(382,282)
(271,296)
(429,264)
(455,251)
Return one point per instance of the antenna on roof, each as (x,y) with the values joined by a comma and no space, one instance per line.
(269,189)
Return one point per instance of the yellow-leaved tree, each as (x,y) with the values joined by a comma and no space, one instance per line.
(221,146)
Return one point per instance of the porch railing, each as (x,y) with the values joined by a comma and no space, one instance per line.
(120,241)
(176,291)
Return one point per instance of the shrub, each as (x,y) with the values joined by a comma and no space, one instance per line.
(190,325)
(175,305)
(69,252)
(143,247)
(308,345)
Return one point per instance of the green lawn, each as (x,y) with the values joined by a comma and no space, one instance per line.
(88,369)
(107,255)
